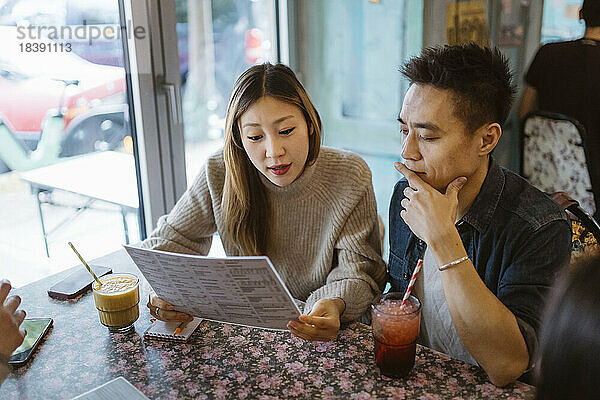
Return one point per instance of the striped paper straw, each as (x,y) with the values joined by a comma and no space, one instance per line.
(85,264)
(411,283)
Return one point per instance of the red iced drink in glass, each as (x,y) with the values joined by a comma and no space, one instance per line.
(395,332)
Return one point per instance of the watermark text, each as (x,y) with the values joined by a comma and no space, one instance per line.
(87,32)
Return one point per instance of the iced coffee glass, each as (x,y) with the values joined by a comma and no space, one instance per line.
(395,332)
(117,301)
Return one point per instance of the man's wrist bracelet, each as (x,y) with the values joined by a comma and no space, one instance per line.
(453,263)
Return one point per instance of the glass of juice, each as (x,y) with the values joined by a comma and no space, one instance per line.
(117,301)
(395,332)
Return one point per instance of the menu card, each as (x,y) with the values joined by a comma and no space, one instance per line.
(238,290)
(117,389)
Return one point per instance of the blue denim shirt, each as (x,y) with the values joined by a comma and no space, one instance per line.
(516,236)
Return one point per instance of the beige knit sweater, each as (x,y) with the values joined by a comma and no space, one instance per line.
(323,235)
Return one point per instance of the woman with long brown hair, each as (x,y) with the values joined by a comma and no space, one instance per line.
(275,191)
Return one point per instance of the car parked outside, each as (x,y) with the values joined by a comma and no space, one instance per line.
(36,83)
(89,15)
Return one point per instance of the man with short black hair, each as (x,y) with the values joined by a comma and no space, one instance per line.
(490,242)
(564,78)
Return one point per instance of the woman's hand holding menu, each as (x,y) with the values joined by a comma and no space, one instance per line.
(163,310)
(323,322)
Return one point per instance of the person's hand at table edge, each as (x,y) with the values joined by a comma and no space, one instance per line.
(163,310)
(11,336)
(323,322)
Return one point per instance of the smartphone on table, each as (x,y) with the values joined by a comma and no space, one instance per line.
(76,283)
(36,329)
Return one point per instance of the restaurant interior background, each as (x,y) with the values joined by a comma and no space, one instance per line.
(154,102)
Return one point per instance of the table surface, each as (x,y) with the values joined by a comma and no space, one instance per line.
(107,175)
(222,361)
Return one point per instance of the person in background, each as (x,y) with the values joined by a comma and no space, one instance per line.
(10,319)
(564,78)
(490,242)
(275,191)
(570,337)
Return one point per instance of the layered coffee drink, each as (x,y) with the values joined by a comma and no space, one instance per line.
(117,301)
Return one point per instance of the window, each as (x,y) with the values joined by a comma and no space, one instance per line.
(560,21)
(67,170)
(217,41)
(348,59)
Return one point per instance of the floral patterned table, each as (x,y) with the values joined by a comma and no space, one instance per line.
(223,361)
